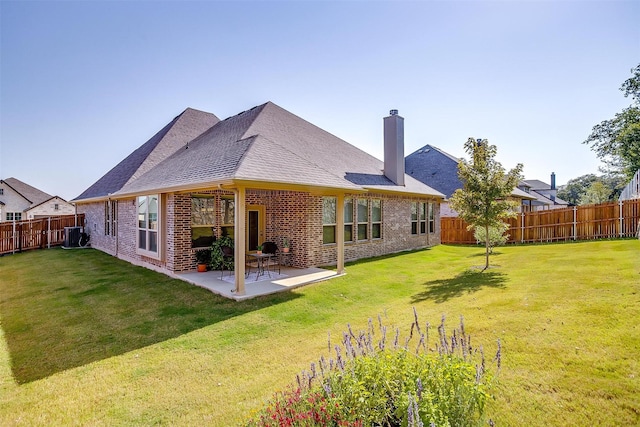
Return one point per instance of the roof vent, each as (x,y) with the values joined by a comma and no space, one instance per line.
(393,112)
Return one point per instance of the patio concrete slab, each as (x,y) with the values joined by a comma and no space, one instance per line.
(289,278)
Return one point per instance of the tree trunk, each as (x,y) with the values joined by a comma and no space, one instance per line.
(486,247)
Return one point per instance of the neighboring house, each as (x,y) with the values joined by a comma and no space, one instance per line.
(545,194)
(262,175)
(20,201)
(439,170)
(632,189)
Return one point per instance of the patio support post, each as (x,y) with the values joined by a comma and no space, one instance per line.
(239,239)
(340,233)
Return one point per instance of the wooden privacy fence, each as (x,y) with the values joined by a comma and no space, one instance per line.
(609,220)
(36,233)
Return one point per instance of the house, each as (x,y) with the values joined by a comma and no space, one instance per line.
(545,195)
(439,170)
(20,201)
(632,189)
(264,174)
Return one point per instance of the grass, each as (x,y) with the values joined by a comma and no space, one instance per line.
(88,339)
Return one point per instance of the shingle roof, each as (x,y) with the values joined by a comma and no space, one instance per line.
(435,168)
(439,170)
(536,184)
(182,129)
(270,144)
(30,193)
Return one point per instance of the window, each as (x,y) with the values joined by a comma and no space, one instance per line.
(14,216)
(363,219)
(110,213)
(348,219)
(414,218)
(376,219)
(1,191)
(432,218)
(228,216)
(56,207)
(203,219)
(148,222)
(328,220)
(418,218)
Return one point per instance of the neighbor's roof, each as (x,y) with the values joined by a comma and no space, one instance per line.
(435,168)
(536,184)
(269,144)
(182,129)
(439,170)
(30,193)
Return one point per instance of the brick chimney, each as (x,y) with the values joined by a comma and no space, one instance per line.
(394,147)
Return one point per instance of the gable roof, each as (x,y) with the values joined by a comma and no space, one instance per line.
(182,129)
(31,194)
(439,170)
(268,144)
(536,184)
(435,168)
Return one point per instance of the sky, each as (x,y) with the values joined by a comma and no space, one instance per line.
(85,83)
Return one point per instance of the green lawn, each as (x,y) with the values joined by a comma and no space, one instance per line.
(90,340)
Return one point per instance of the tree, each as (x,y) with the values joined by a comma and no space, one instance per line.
(596,193)
(483,199)
(617,141)
(577,188)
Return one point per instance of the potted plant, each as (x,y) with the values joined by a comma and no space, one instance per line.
(259,251)
(203,258)
(285,245)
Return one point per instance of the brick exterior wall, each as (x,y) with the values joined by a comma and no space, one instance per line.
(291,214)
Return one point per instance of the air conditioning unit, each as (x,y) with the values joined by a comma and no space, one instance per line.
(72,237)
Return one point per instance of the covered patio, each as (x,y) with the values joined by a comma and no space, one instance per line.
(288,278)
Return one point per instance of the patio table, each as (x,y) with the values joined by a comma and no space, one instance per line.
(261,258)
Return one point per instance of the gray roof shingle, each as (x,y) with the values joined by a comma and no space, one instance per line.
(270,144)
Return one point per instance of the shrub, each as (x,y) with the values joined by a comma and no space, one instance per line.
(497,236)
(217,260)
(389,384)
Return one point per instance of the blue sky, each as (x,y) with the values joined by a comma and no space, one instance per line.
(83,84)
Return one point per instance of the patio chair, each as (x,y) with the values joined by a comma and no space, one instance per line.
(272,248)
(227,254)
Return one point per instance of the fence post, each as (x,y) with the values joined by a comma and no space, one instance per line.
(621,220)
(49,233)
(575,223)
(522,228)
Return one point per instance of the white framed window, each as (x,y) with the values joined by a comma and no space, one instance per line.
(348,219)
(148,225)
(14,216)
(376,219)
(328,220)
(418,218)
(363,219)
(1,191)
(110,217)
(432,218)
(203,220)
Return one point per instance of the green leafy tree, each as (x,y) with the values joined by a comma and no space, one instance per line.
(483,199)
(497,235)
(617,141)
(577,188)
(596,193)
